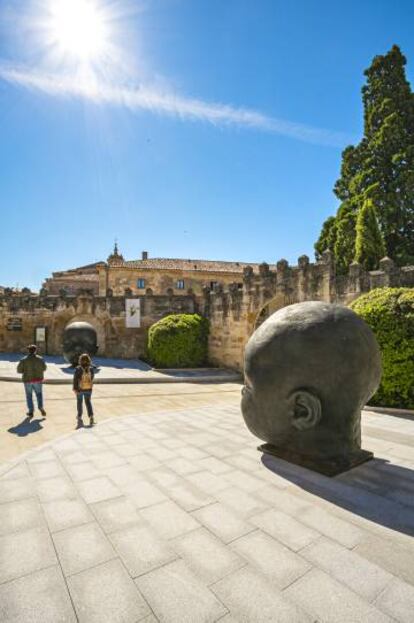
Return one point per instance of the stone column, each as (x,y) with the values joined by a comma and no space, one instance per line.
(390,276)
(303,263)
(328,277)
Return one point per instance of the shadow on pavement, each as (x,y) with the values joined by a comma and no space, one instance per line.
(378,490)
(100,362)
(68,369)
(121,364)
(27,427)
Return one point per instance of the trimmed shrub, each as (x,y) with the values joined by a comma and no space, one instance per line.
(390,314)
(179,341)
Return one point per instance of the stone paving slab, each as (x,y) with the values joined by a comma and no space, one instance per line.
(59,372)
(328,600)
(173,516)
(176,595)
(40,596)
(107,594)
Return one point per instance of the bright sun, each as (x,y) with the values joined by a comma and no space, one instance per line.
(78,28)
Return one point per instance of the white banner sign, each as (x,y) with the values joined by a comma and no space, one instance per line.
(133,313)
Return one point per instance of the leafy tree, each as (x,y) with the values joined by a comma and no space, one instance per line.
(344,248)
(369,243)
(327,237)
(380,167)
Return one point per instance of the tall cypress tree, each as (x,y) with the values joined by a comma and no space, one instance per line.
(344,247)
(327,237)
(380,167)
(369,243)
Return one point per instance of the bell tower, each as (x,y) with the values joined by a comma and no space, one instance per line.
(115,257)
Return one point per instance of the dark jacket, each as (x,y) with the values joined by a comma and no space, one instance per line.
(32,367)
(78,375)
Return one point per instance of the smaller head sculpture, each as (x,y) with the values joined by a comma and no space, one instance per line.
(79,338)
(309,370)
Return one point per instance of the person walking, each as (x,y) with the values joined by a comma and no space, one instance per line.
(32,367)
(82,386)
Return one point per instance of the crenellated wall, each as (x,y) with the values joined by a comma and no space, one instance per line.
(234,310)
(234,313)
(20,314)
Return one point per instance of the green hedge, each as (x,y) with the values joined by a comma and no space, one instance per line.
(179,341)
(390,314)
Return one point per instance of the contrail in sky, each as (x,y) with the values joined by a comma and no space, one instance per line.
(164,103)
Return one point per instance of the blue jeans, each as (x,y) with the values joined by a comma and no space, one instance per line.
(37,389)
(81,396)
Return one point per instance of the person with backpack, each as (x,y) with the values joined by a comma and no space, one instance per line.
(32,368)
(82,386)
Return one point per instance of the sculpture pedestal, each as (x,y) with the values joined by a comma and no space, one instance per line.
(328,467)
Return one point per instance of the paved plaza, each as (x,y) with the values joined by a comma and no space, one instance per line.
(18,435)
(165,511)
(59,372)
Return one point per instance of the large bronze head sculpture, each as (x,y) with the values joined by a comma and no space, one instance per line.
(79,338)
(309,370)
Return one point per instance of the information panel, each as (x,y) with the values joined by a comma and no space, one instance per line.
(40,334)
(14,324)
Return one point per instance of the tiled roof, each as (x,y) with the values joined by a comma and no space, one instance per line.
(89,266)
(74,277)
(158,263)
(84,270)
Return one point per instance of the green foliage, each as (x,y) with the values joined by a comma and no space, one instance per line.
(327,237)
(179,341)
(369,243)
(344,248)
(380,167)
(390,314)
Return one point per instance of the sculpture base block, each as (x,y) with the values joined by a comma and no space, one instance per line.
(328,467)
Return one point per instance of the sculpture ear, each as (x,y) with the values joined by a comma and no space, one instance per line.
(306,409)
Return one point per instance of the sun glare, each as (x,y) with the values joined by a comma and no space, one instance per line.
(78,28)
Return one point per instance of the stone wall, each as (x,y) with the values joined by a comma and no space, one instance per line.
(20,314)
(234,314)
(234,309)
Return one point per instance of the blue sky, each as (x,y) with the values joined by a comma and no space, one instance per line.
(213,130)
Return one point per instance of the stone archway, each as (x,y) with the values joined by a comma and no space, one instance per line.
(97,325)
(61,321)
(270,307)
